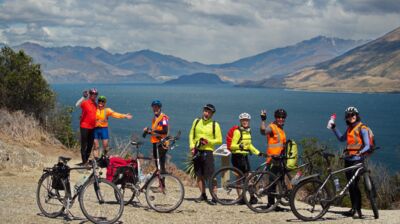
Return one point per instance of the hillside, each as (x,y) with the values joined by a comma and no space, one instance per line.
(197,78)
(372,67)
(285,60)
(84,64)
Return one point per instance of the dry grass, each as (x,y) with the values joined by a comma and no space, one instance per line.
(22,128)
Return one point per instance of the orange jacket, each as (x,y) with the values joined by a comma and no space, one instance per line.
(103,114)
(155,126)
(354,139)
(276,141)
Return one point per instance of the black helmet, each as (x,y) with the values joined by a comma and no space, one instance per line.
(156,103)
(350,111)
(280,113)
(209,107)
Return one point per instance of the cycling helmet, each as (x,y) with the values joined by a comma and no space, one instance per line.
(156,103)
(93,91)
(280,113)
(350,111)
(102,99)
(209,107)
(244,116)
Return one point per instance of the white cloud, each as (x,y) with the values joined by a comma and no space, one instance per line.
(209,31)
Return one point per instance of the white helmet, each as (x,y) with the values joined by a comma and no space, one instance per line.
(244,116)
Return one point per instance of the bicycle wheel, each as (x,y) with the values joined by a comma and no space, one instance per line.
(260,186)
(127,193)
(226,185)
(307,201)
(98,202)
(371,194)
(164,193)
(50,201)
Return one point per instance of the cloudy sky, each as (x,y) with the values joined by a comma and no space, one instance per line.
(208,31)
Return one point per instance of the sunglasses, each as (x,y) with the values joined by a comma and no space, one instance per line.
(101,101)
(350,115)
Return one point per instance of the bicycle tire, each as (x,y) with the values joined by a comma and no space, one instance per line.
(371,194)
(45,183)
(257,190)
(303,194)
(223,191)
(161,188)
(91,192)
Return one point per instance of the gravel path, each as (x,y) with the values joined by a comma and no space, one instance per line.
(18,205)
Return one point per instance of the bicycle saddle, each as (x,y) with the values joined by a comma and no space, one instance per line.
(327,155)
(136,143)
(64,159)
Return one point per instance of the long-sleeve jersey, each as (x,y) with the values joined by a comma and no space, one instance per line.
(204,129)
(246,143)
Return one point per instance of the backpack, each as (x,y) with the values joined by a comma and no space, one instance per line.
(195,125)
(291,154)
(371,137)
(229,136)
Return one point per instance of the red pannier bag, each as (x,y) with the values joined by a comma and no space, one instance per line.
(113,165)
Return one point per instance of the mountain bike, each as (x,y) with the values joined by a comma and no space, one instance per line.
(96,195)
(163,191)
(264,190)
(230,181)
(312,196)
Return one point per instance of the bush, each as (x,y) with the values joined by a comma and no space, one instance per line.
(58,122)
(23,88)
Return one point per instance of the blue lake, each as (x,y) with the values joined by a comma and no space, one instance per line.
(308,113)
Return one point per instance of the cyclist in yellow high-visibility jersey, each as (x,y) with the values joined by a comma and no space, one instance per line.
(204,135)
(241,147)
(241,144)
(101,129)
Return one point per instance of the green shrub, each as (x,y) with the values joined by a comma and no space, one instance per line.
(22,87)
(58,122)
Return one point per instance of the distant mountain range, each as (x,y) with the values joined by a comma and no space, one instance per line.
(373,67)
(282,61)
(84,64)
(197,78)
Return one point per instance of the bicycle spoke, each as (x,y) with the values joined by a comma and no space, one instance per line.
(50,200)
(164,193)
(99,203)
(307,200)
(226,186)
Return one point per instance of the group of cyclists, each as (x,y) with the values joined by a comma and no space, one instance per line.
(205,134)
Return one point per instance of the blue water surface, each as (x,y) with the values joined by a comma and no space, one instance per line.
(308,112)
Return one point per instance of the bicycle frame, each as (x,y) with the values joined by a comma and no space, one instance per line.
(359,167)
(158,168)
(71,198)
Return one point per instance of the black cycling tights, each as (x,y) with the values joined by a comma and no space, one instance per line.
(87,138)
(163,155)
(354,190)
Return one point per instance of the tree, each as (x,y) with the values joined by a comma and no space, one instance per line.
(22,86)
